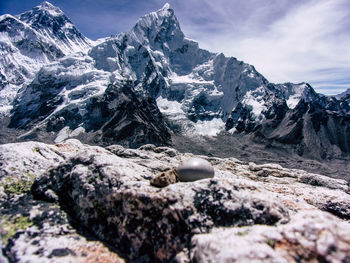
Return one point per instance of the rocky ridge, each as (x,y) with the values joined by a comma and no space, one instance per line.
(67,194)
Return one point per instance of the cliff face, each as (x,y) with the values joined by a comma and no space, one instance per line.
(55,198)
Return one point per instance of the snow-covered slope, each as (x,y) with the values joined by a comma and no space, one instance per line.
(198,92)
(31,40)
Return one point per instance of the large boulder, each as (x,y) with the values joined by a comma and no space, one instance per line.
(106,193)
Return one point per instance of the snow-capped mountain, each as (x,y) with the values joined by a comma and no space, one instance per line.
(194,88)
(198,92)
(29,41)
(52,23)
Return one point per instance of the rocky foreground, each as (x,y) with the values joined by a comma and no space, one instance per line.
(72,202)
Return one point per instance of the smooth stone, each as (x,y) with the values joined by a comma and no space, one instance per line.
(194,169)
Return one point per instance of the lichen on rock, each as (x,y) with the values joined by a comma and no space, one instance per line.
(108,193)
(9,226)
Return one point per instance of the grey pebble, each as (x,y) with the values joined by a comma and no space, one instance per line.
(194,169)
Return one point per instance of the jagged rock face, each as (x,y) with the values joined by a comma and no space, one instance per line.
(318,128)
(117,115)
(286,215)
(124,117)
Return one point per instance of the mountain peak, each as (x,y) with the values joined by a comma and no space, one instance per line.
(165,11)
(44,11)
(166,7)
(55,27)
(158,27)
(50,8)
(47,5)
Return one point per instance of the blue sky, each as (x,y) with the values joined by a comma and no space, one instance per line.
(286,40)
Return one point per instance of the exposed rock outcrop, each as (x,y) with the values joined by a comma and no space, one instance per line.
(118,116)
(70,191)
(319,128)
(308,237)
